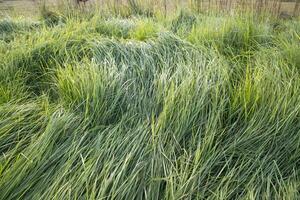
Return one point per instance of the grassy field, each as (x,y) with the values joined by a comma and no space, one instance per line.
(130,104)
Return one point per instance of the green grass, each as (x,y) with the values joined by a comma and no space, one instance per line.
(144,107)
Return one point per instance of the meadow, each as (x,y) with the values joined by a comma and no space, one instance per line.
(131,103)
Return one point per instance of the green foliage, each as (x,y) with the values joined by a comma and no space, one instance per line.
(91,89)
(41,55)
(115,28)
(232,36)
(198,107)
(144,30)
(51,18)
(132,8)
(9,28)
(137,9)
(184,22)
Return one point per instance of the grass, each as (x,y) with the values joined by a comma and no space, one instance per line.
(283,8)
(193,106)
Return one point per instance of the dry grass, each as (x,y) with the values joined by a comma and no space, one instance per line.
(273,6)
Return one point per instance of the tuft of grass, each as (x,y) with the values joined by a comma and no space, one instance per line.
(9,28)
(115,28)
(184,22)
(144,30)
(91,89)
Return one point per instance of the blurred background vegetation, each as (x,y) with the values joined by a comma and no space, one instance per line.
(277,7)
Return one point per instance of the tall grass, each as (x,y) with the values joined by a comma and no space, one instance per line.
(167,7)
(145,107)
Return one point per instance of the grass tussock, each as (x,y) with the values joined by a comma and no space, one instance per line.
(140,107)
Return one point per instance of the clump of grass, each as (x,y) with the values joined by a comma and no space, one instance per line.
(91,90)
(13,91)
(184,22)
(232,35)
(41,56)
(9,28)
(137,9)
(130,8)
(51,18)
(144,30)
(115,28)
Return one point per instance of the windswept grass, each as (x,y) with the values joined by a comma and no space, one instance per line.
(193,107)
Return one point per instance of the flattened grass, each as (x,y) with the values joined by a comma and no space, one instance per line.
(198,107)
